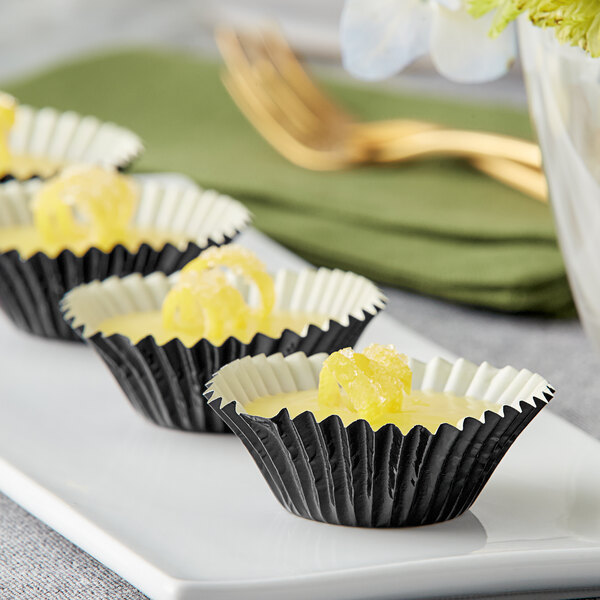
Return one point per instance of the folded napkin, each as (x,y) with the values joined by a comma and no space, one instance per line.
(436,227)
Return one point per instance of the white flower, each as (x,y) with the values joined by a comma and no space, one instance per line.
(381,37)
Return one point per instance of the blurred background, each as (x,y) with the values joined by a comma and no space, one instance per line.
(38,33)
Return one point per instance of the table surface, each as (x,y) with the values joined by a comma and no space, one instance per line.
(36,561)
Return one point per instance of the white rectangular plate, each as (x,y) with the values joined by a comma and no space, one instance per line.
(189,516)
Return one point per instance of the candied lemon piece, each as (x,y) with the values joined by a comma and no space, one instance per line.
(391,368)
(91,204)
(242,262)
(8,111)
(368,383)
(203,302)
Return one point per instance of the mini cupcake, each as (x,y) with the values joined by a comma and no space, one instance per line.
(339,439)
(38,143)
(164,337)
(91,223)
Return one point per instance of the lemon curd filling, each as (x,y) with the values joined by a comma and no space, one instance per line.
(27,240)
(375,386)
(25,166)
(8,112)
(136,326)
(429,409)
(22,166)
(204,304)
(81,208)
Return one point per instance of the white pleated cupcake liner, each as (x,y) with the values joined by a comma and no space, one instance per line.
(72,138)
(165,382)
(31,288)
(356,476)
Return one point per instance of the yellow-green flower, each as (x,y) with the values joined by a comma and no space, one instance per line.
(576,22)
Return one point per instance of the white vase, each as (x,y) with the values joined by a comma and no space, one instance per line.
(563,85)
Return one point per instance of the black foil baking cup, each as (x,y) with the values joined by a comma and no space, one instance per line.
(70,138)
(165,383)
(356,476)
(31,288)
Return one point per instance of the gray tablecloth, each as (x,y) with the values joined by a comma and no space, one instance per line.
(36,562)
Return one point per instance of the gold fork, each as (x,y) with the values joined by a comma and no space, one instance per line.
(279,98)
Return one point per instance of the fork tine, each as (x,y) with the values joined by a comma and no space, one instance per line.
(272,131)
(307,123)
(254,112)
(235,52)
(292,71)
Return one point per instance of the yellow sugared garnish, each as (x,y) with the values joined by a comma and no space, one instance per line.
(91,205)
(370,383)
(8,110)
(203,303)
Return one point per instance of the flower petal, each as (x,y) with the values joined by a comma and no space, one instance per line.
(381,37)
(462,49)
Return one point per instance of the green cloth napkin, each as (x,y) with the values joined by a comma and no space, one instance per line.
(436,227)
